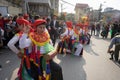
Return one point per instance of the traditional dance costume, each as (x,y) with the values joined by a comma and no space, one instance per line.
(64,45)
(33,47)
(77,48)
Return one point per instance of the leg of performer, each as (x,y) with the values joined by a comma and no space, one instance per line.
(78,50)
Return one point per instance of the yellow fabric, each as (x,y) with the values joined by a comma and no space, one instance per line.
(40,78)
(47,77)
(39,39)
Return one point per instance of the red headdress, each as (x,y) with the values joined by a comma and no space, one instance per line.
(69,24)
(23,21)
(38,22)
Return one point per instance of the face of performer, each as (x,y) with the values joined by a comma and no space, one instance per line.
(40,29)
(77,27)
(20,27)
(24,28)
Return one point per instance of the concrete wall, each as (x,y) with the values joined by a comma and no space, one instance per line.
(12,9)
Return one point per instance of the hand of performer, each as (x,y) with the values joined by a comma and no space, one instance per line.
(47,57)
(20,55)
(50,55)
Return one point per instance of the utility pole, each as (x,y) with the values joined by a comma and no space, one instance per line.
(61,9)
(99,14)
(24,7)
(67,3)
(62,14)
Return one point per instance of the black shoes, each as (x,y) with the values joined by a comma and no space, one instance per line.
(111,58)
(0,66)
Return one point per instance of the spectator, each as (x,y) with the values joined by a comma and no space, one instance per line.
(98,29)
(54,27)
(114,29)
(115,41)
(1,21)
(92,29)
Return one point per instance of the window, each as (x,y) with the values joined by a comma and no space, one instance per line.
(41,8)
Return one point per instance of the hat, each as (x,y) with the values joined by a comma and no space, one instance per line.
(22,21)
(39,22)
(69,24)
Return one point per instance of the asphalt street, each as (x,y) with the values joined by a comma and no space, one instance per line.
(93,65)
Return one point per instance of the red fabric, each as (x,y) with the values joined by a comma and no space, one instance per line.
(69,24)
(38,22)
(2,23)
(80,25)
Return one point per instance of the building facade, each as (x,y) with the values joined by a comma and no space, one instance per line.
(111,15)
(9,7)
(94,15)
(34,7)
(38,7)
(55,6)
(81,10)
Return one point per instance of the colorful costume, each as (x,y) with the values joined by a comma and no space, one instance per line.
(33,47)
(77,48)
(64,44)
(84,35)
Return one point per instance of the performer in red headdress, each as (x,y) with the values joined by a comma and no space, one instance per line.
(77,48)
(36,53)
(64,44)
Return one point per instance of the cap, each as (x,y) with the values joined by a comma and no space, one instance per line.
(39,22)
